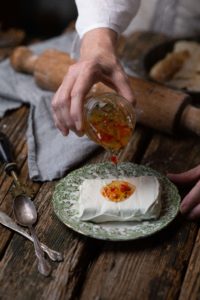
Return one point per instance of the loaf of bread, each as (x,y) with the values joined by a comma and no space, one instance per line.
(165,69)
(180,68)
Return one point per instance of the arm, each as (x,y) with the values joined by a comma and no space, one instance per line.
(99,24)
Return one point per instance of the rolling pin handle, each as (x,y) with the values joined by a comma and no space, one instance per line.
(190,119)
(161,108)
(23,60)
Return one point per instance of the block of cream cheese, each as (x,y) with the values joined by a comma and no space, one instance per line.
(142,202)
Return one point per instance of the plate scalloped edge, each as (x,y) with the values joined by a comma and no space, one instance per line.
(65,199)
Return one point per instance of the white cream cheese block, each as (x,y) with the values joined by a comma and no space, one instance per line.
(143,204)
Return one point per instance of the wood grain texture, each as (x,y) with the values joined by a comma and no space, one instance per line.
(151,268)
(18,270)
(14,127)
(190,289)
(18,267)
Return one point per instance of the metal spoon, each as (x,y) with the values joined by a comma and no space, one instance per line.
(9,222)
(24,209)
(26,215)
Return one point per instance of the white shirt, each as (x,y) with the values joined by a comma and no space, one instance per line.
(176,18)
(114,14)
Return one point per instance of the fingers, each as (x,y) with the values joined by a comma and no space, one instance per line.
(191,200)
(186,177)
(194,213)
(67,104)
(59,125)
(122,85)
(98,62)
(61,105)
(190,205)
(81,88)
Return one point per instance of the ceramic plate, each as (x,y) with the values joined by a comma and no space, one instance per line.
(66,195)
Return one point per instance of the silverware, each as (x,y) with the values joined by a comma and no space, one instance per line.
(26,215)
(9,223)
(24,209)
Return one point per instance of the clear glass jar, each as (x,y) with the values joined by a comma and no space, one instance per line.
(109,120)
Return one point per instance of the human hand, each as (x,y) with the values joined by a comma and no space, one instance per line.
(98,63)
(190,205)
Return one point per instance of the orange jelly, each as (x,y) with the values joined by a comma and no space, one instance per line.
(118,190)
(109,121)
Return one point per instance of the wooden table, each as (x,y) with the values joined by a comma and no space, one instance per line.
(163,266)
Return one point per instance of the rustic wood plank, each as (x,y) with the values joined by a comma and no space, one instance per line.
(7,201)
(16,132)
(14,126)
(134,270)
(7,206)
(151,268)
(19,254)
(191,285)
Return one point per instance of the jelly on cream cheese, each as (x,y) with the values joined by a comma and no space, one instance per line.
(119,199)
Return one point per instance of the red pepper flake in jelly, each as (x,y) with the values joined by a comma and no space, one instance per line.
(118,190)
(114,159)
(109,127)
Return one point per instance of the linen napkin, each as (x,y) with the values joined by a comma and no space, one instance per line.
(50,155)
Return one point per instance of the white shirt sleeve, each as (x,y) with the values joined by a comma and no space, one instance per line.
(114,14)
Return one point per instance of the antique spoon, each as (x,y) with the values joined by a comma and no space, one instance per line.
(24,209)
(9,223)
(26,215)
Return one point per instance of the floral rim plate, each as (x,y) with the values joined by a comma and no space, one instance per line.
(66,195)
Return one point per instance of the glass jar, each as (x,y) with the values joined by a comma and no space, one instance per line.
(109,120)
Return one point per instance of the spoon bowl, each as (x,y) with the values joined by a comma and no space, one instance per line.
(25,211)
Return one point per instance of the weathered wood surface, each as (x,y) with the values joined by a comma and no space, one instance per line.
(18,264)
(191,285)
(152,268)
(164,266)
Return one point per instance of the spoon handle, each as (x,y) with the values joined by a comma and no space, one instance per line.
(9,222)
(53,255)
(43,266)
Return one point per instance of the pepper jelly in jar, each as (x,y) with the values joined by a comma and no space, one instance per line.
(109,120)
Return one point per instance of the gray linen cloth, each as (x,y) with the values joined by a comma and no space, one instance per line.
(50,155)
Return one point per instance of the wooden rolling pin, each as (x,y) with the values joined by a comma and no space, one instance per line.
(160,108)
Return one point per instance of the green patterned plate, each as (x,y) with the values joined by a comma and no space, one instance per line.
(65,203)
